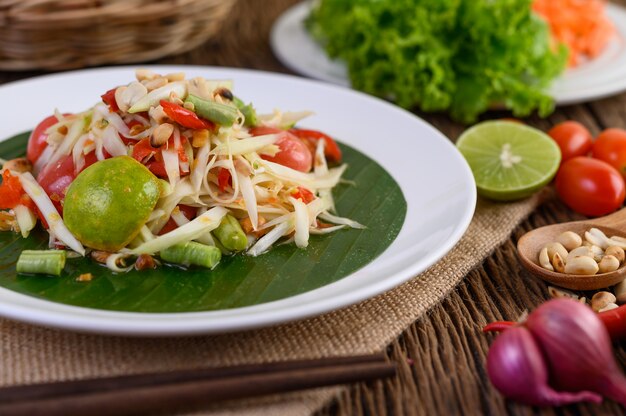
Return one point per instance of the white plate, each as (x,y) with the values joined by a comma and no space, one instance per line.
(600,77)
(412,151)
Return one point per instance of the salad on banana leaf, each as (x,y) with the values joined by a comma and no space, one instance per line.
(171,169)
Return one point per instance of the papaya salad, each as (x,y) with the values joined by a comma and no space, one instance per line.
(169,169)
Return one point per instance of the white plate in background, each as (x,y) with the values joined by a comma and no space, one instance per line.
(601,77)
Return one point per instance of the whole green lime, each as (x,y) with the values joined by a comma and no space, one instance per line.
(108,203)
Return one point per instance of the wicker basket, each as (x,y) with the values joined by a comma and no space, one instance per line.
(62,34)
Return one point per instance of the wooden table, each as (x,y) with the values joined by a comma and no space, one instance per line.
(448,349)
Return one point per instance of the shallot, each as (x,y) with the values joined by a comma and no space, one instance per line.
(517,369)
(577,347)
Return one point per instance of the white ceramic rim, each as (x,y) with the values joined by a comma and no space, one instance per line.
(388,271)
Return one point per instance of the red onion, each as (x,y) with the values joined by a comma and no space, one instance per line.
(517,369)
(578,348)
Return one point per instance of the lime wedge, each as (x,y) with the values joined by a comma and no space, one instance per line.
(509,160)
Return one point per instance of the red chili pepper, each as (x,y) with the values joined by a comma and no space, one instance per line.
(615,322)
(185,117)
(304,194)
(331,150)
(498,326)
(109,99)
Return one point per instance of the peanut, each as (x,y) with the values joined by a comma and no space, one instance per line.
(21,164)
(608,264)
(556,248)
(578,252)
(616,252)
(161,134)
(608,307)
(601,300)
(597,238)
(558,263)
(570,240)
(561,293)
(582,265)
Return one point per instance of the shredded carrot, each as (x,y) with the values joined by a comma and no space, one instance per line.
(580,24)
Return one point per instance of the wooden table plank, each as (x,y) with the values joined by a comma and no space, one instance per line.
(447,347)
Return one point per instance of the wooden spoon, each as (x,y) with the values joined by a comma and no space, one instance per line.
(531,243)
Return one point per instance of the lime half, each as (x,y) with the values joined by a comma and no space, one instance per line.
(509,160)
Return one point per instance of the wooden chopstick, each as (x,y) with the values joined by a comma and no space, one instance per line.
(160,392)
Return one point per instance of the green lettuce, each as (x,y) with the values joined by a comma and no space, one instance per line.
(460,56)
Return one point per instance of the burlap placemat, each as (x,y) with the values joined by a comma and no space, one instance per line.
(33,354)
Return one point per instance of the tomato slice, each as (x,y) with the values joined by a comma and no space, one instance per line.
(109,99)
(293,153)
(189,212)
(304,194)
(331,150)
(185,117)
(223,179)
(152,157)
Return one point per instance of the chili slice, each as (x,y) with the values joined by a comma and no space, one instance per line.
(185,117)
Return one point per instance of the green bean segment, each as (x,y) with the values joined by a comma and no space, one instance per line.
(222,114)
(231,235)
(192,253)
(248,112)
(41,262)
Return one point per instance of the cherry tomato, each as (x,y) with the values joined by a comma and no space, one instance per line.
(331,150)
(610,146)
(293,152)
(573,139)
(55,178)
(590,186)
(37,140)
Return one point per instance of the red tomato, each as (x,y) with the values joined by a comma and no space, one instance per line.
(55,178)
(37,140)
(573,139)
(304,194)
(223,179)
(331,150)
(610,146)
(293,152)
(589,186)
(109,99)
(152,157)
(189,212)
